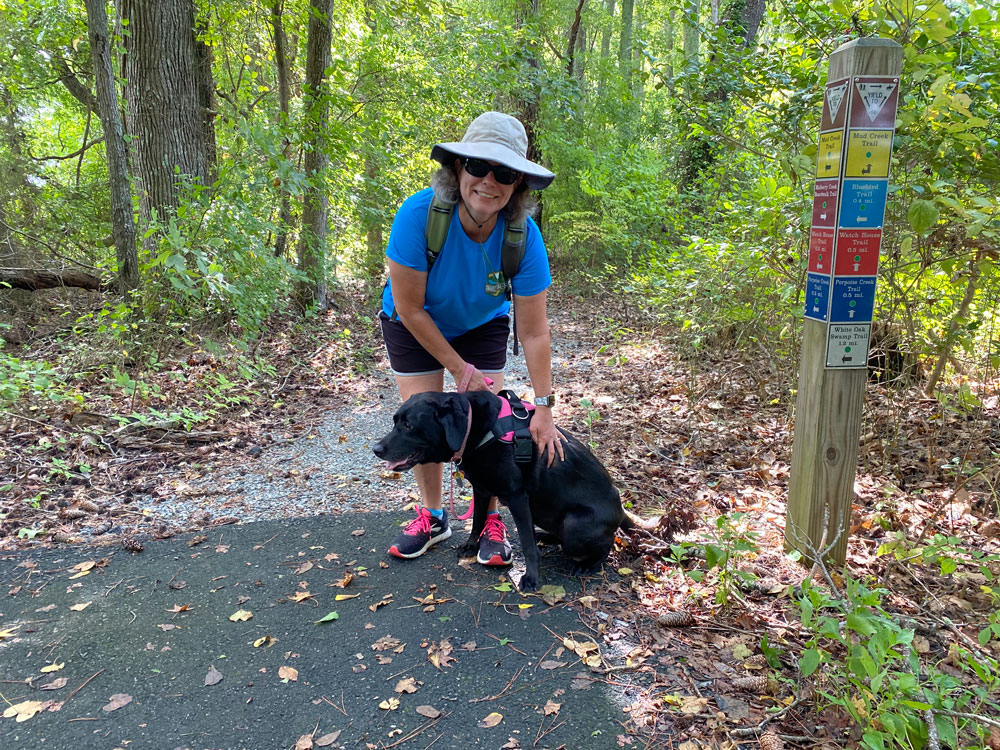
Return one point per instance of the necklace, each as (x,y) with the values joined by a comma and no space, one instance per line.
(494,279)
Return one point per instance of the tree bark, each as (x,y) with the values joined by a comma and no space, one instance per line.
(284,104)
(315,106)
(33,279)
(122,221)
(625,43)
(571,45)
(75,86)
(165,115)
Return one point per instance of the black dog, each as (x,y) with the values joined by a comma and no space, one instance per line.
(573,499)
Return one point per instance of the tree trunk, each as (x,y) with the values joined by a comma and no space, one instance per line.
(122,221)
(315,106)
(284,103)
(571,45)
(33,279)
(165,115)
(949,340)
(625,43)
(669,33)
(692,34)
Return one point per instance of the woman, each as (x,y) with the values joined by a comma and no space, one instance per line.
(456,316)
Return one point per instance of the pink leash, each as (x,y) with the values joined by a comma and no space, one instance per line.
(462,387)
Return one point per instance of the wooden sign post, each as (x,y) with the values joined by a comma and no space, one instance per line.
(852,180)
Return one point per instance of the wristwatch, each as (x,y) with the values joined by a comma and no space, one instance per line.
(548,401)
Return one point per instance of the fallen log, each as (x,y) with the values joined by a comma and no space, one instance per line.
(33,279)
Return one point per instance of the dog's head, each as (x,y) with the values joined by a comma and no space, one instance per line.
(428,429)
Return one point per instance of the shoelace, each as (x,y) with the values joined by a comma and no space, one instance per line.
(419,525)
(494,529)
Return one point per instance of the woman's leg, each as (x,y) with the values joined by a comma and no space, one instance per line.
(428,476)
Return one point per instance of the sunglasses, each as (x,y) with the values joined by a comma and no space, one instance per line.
(481,168)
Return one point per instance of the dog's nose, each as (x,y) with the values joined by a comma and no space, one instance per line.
(379,450)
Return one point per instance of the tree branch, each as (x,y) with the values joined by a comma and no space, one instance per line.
(75,154)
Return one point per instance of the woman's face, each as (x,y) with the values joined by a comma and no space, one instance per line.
(483,196)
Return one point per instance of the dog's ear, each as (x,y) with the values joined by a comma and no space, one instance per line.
(453,414)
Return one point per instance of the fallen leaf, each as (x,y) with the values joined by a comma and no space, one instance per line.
(301,596)
(214,676)
(691,705)
(23,710)
(288,673)
(241,615)
(552,594)
(265,641)
(345,581)
(406,685)
(59,682)
(8,633)
(329,617)
(166,626)
(625,571)
(588,601)
(304,567)
(491,720)
(387,600)
(385,643)
(328,739)
(390,704)
(180,608)
(54,667)
(358,532)
(85,566)
(81,606)
(117,701)
(344,597)
(550,664)
(305,742)
(81,574)
(429,711)
(439,654)
(551,707)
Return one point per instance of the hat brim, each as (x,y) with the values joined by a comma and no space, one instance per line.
(536,176)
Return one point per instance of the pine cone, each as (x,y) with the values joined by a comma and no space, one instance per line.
(72,514)
(677,619)
(132,544)
(757,660)
(759,683)
(771,741)
(89,505)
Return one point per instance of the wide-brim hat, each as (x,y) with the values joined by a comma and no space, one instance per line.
(495,136)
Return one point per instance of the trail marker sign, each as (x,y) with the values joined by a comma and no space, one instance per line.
(853,159)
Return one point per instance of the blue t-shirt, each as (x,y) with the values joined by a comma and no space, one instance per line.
(456,297)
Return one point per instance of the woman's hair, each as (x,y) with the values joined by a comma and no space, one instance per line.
(521,205)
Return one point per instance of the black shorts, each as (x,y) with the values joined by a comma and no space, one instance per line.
(484,347)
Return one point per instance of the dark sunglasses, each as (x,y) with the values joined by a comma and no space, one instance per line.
(481,168)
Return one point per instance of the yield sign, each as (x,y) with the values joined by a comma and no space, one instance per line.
(874,96)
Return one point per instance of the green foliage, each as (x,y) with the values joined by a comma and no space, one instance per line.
(733,543)
(873,672)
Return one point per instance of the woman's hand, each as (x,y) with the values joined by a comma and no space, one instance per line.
(470,378)
(546,436)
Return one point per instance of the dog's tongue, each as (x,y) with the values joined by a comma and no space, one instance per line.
(390,465)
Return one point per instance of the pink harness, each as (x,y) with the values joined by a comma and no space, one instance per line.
(506,411)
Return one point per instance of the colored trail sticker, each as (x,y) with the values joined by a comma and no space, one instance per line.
(828,155)
(847,345)
(821,249)
(833,112)
(825,203)
(868,153)
(857,252)
(873,103)
(863,203)
(852,299)
(817,296)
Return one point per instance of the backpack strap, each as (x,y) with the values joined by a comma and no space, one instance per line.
(436,229)
(511,254)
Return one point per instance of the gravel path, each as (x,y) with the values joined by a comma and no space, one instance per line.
(330,469)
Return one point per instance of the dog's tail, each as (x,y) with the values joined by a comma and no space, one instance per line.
(632,521)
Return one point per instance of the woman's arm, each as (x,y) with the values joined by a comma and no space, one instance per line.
(533,331)
(408,289)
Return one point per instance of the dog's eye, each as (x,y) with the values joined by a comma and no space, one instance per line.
(405,425)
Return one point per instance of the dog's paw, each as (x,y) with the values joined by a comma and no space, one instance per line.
(527,584)
(581,571)
(469,549)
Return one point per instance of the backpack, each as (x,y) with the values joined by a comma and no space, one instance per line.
(511,252)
